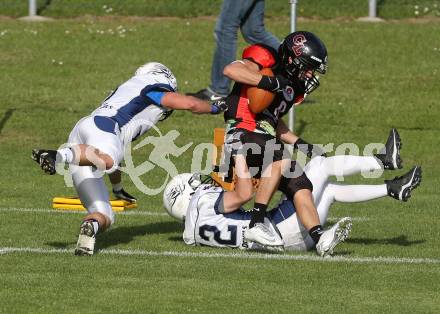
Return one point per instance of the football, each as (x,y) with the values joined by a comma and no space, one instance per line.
(260,99)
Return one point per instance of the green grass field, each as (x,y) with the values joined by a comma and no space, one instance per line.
(396,9)
(380,76)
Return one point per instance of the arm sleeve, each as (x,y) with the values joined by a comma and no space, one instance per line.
(154,93)
(264,56)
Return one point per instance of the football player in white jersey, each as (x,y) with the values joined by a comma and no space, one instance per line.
(209,220)
(98,141)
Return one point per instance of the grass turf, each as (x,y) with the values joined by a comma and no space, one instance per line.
(328,9)
(54,73)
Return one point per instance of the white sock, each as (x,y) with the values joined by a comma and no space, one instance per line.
(66,155)
(346,165)
(117,187)
(347,194)
(357,193)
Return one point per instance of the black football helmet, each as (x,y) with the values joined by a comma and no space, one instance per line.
(301,52)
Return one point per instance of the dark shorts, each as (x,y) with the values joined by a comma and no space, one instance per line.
(294,181)
(260,150)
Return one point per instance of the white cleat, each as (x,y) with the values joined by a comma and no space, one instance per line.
(261,233)
(333,236)
(86,240)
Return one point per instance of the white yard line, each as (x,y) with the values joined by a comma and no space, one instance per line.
(130,212)
(79,212)
(357,219)
(337,259)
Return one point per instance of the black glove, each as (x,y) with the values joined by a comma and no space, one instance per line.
(309,149)
(275,83)
(219,106)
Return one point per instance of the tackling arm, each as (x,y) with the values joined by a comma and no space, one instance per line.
(243,71)
(178,101)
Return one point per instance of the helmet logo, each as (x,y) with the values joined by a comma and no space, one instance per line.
(175,193)
(298,44)
(288,93)
(164,71)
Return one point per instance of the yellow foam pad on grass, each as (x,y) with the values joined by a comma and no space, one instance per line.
(74,203)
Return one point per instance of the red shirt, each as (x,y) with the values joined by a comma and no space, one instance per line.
(238,102)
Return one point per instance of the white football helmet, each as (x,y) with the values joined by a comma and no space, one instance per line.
(158,72)
(178,193)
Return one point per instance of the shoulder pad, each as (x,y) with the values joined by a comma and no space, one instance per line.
(261,55)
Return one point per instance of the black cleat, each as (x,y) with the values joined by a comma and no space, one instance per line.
(400,187)
(36,153)
(390,158)
(46,159)
(206,94)
(121,194)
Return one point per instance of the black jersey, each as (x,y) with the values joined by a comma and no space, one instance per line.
(239,114)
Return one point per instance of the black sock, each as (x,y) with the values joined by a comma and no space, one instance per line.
(315,232)
(258,214)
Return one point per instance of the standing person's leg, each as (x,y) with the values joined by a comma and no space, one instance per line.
(225,34)
(252,27)
(225,52)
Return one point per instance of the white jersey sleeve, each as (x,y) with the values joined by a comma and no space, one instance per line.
(204,225)
(134,106)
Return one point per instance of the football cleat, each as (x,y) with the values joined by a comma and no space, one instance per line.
(390,157)
(254,246)
(86,240)
(36,154)
(262,234)
(121,194)
(400,187)
(206,94)
(331,237)
(46,159)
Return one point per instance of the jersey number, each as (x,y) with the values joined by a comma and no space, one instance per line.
(206,230)
(280,109)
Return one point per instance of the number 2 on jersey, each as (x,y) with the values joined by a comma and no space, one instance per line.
(206,230)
